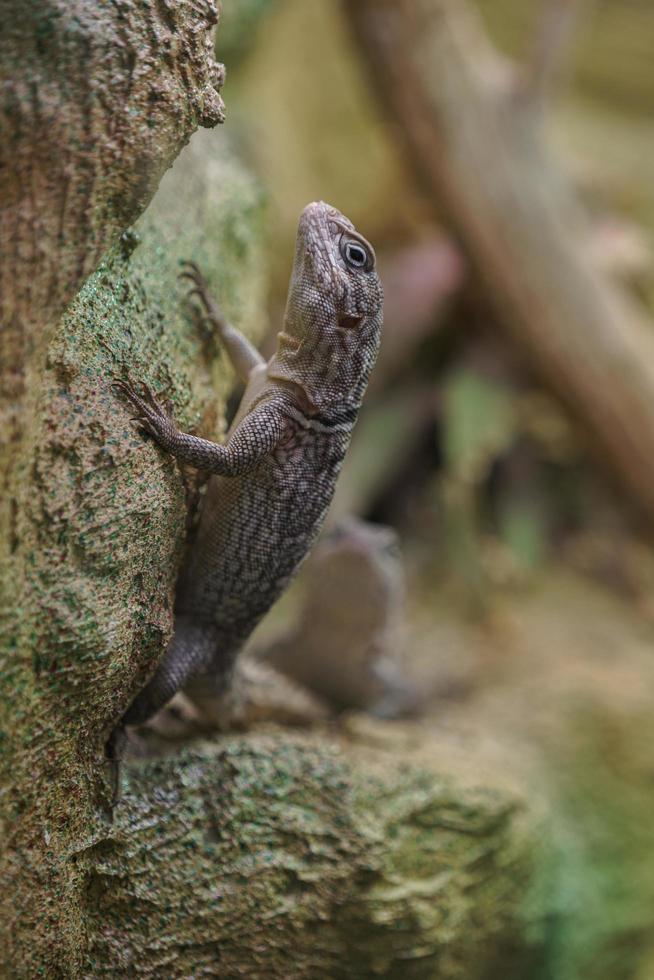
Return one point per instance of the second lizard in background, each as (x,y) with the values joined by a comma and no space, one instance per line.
(346,647)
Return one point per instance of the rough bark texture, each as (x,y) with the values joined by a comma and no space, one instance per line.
(97,101)
(102,521)
(282,857)
(478,147)
(257,857)
(86,87)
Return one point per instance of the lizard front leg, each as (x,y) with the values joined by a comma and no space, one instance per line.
(252,439)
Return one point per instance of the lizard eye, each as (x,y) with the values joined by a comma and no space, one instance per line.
(355,255)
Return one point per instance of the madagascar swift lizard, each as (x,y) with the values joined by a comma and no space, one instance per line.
(273,479)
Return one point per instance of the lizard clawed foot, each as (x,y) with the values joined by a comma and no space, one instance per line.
(151,416)
(191,270)
(200,288)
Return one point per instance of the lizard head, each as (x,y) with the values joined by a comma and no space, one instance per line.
(332,325)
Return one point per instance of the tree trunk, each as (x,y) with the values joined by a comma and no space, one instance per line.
(98,100)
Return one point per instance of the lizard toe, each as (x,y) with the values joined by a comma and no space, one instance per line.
(149,397)
(191,271)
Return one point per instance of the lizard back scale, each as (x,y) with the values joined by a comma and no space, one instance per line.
(273,479)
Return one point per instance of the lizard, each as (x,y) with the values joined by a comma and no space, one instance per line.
(346,644)
(273,479)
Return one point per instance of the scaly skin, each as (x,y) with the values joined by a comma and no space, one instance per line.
(274,478)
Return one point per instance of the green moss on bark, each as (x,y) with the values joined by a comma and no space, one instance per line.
(102,525)
(277,856)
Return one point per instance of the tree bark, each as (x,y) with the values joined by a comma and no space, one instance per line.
(278,856)
(477,147)
(97,101)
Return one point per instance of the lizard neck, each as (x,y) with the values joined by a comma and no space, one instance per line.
(331,373)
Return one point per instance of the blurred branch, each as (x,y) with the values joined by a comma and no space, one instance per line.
(519,220)
(550,48)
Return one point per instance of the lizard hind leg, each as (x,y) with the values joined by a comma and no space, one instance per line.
(192,647)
